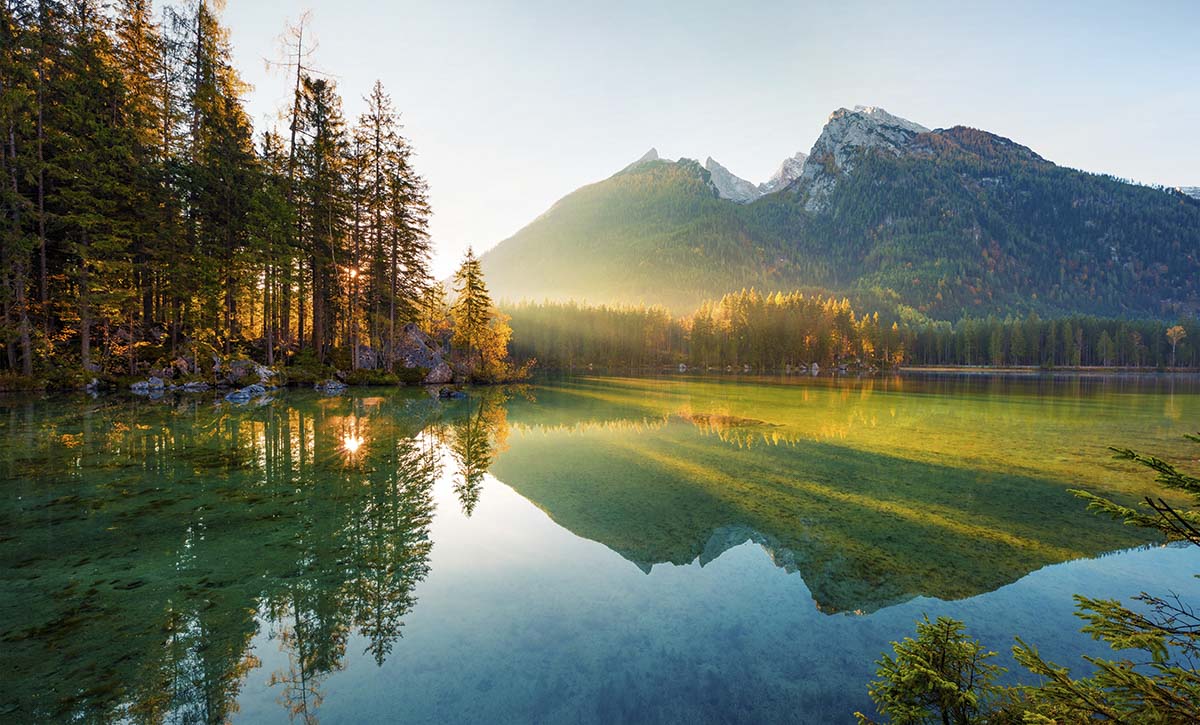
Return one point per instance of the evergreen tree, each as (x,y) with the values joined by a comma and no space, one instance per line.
(324,204)
(472,310)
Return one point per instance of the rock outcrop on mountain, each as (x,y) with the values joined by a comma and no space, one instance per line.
(730,186)
(844,136)
(788,171)
(944,223)
(1192,191)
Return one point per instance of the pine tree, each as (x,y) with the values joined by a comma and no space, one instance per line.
(16,240)
(1164,631)
(472,310)
(323,199)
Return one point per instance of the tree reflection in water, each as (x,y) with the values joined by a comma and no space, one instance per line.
(152,539)
(476,437)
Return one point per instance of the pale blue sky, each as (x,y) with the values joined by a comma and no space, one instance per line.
(512,105)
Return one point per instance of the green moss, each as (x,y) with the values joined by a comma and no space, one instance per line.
(14,382)
(371,377)
(412,376)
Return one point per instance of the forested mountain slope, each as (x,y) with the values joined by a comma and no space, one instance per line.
(949,222)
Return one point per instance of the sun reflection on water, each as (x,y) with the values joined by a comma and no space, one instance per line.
(351,442)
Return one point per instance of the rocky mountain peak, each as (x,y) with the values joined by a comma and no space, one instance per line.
(788,171)
(651,155)
(845,134)
(883,117)
(730,186)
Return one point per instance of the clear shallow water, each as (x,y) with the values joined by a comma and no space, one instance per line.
(592,550)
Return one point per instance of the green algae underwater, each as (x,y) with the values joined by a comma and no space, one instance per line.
(584,549)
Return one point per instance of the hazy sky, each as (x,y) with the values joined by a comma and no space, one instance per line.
(512,105)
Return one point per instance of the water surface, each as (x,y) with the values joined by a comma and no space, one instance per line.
(580,550)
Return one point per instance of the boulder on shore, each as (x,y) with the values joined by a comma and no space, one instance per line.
(440,374)
(246,394)
(413,350)
(148,386)
(330,387)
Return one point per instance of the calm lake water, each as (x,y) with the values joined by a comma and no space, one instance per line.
(581,550)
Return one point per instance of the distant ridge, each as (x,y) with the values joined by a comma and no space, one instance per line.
(941,223)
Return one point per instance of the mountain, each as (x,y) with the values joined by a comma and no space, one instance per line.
(1192,191)
(947,222)
(729,186)
(789,171)
(733,187)
(846,136)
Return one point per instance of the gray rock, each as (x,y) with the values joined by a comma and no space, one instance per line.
(266,375)
(368,358)
(238,370)
(147,387)
(844,135)
(415,349)
(729,185)
(194,387)
(246,394)
(330,387)
(451,394)
(439,374)
(789,171)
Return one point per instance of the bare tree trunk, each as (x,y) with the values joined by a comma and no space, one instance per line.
(41,174)
(391,351)
(285,302)
(300,308)
(85,312)
(269,304)
(230,297)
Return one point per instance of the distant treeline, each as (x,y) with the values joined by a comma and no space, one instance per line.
(744,328)
(781,331)
(1068,342)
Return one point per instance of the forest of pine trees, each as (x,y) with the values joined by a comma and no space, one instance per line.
(145,221)
(777,332)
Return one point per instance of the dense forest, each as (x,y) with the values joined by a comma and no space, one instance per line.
(752,332)
(145,221)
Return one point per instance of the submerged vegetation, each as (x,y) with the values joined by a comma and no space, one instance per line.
(146,530)
(1157,680)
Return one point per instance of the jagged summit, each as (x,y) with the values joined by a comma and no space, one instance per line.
(948,222)
(882,116)
(651,155)
(733,187)
(730,186)
(845,134)
(788,171)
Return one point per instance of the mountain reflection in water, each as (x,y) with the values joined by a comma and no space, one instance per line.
(145,545)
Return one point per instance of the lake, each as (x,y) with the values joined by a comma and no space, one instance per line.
(589,550)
